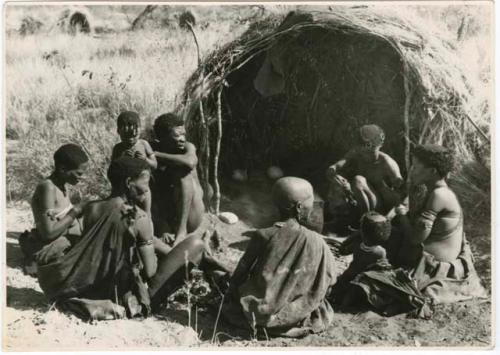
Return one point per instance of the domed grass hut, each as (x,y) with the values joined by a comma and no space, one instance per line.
(293,90)
(76,20)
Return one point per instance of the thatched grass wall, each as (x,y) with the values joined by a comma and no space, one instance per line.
(335,71)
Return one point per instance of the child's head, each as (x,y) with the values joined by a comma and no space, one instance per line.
(169,129)
(128,124)
(371,138)
(129,176)
(375,228)
(70,163)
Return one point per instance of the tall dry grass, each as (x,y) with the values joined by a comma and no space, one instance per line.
(63,88)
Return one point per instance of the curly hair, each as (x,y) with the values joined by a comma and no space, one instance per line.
(126,118)
(435,156)
(164,123)
(375,228)
(70,156)
(125,167)
(371,134)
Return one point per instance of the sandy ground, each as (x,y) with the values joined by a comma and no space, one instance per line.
(31,323)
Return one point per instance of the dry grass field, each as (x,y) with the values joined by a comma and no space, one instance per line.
(70,88)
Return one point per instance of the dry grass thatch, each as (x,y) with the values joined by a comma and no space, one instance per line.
(438,102)
(76,20)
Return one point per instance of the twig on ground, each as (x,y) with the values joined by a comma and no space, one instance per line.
(51,307)
(188,291)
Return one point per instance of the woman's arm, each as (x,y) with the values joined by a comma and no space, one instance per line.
(188,159)
(48,227)
(419,229)
(145,245)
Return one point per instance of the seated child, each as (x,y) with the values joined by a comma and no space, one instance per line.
(374,176)
(128,126)
(178,197)
(56,219)
(375,231)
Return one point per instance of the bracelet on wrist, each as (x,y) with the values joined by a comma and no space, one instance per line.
(141,243)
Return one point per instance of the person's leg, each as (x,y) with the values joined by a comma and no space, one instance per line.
(197,209)
(161,248)
(366,198)
(172,268)
(183,197)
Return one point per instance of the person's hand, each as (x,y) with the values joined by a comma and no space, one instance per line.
(79,207)
(401,210)
(331,172)
(129,153)
(51,214)
(140,155)
(168,238)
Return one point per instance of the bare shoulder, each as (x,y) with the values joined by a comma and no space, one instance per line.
(45,187)
(145,143)
(117,150)
(388,159)
(43,190)
(190,147)
(93,210)
(443,198)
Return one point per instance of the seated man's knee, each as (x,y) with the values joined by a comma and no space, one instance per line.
(359,182)
(194,246)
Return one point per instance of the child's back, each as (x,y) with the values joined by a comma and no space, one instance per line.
(375,231)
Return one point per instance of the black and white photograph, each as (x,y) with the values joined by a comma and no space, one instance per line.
(248,175)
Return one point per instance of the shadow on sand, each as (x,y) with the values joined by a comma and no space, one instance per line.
(13,251)
(25,299)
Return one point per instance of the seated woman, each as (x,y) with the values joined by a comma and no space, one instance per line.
(436,260)
(281,282)
(56,219)
(434,243)
(104,275)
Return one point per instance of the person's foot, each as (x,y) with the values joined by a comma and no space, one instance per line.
(212,240)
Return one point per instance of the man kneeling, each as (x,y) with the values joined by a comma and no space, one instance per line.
(281,281)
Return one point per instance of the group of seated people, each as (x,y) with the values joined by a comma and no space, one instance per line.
(124,255)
